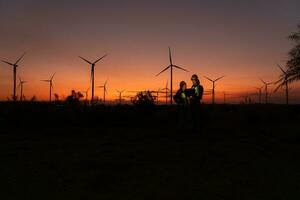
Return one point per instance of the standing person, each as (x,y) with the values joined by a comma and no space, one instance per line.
(195,101)
(182,99)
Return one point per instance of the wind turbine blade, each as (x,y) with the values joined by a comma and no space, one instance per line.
(170,56)
(259,88)
(279,80)
(20,58)
(163,70)
(180,68)
(219,78)
(208,78)
(100,59)
(284,72)
(105,82)
(272,83)
(7,62)
(52,76)
(85,60)
(263,81)
(279,86)
(46,80)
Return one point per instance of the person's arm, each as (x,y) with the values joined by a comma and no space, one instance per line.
(177,97)
(200,92)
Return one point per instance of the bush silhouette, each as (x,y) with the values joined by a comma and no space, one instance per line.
(143,99)
(74,98)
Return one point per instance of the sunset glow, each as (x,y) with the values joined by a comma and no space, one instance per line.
(243,41)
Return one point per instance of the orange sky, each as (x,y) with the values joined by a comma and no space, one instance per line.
(207,39)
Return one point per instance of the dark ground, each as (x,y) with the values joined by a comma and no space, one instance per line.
(57,152)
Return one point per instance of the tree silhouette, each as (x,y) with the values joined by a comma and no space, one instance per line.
(143,99)
(56,97)
(74,98)
(293,64)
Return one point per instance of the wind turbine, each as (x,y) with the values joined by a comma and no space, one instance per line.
(283,81)
(166,91)
(171,70)
(50,81)
(14,65)
(120,95)
(92,72)
(104,90)
(259,93)
(157,93)
(266,88)
(21,85)
(213,88)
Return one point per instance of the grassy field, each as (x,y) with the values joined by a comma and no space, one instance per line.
(123,152)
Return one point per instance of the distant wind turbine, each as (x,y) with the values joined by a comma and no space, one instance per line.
(14,65)
(120,95)
(266,88)
(166,89)
(259,93)
(50,81)
(283,80)
(171,70)
(92,72)
(213,87)
(104,90)
(21,82)
(157,93)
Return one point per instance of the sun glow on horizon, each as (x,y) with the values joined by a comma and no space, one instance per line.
(209,39)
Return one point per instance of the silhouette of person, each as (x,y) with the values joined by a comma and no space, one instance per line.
(182,99)
(196,94)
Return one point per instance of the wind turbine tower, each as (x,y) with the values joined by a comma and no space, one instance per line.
(92,72)
(171,66)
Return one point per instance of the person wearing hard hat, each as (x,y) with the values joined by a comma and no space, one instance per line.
(195,101)
(182,99)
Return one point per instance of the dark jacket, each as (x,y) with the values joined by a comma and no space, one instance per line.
(181,97)
(196,94)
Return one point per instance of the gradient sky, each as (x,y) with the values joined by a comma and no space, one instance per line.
(240,39)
